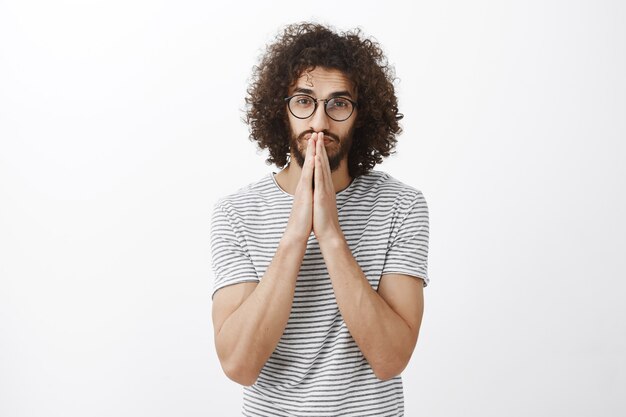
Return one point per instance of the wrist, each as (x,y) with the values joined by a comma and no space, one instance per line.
(293,240)
(332,242)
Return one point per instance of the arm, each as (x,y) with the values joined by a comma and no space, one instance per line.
(250,318)
(384,324)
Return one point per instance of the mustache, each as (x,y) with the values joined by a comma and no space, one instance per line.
(325,132)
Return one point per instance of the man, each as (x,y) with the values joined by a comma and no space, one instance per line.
(320,268)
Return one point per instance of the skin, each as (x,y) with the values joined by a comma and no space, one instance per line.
(339,139)
(249,318)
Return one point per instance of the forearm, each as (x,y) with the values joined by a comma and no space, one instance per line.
(250,334)
(384,337)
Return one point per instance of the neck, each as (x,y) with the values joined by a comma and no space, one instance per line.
(288,178)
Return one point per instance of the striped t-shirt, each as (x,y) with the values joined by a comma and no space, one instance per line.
(317,369)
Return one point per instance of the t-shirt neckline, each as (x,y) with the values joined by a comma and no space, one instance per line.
(338,195)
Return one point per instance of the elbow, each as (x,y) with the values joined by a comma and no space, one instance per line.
(385,371)
(385,374)
(237,364)
(392,363)
(239,373)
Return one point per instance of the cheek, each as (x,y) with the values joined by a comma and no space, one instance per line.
(295,125)
(348,130)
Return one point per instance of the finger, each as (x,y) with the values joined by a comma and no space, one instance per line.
(310,147)
(309,161)
(319,169)
(320,150)
(326,164)
(320,145)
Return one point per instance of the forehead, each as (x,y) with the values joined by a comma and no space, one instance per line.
(323,81)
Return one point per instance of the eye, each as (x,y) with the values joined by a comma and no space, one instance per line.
(339,103)
(303,100)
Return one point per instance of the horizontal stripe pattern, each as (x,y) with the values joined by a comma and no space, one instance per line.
(317,369)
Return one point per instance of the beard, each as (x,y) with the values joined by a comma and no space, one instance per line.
(337,150)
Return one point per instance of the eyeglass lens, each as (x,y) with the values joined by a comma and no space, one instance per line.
(337,108)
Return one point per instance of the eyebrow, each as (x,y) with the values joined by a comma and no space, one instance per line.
(335,94)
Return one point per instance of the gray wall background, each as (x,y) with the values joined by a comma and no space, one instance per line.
(120,127)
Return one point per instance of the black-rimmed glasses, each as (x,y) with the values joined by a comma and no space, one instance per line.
(303,106)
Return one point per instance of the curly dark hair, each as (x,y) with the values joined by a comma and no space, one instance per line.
(304,46)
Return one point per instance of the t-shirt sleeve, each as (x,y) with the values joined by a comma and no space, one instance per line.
(407,252)
(230,261)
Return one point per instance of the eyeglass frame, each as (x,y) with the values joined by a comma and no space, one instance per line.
(325,100)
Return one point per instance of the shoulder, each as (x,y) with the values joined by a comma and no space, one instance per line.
(246,196)
(380,184)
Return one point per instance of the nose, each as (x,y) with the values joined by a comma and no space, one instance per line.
(319,120)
